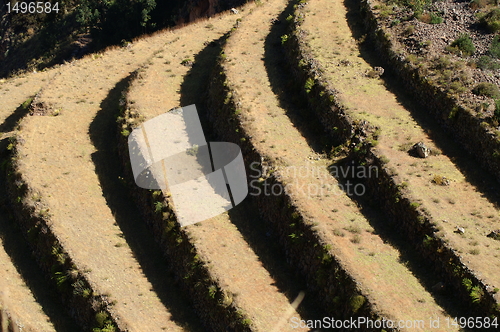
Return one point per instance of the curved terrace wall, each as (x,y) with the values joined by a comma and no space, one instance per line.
(326,276)
(33,216)
(384,190)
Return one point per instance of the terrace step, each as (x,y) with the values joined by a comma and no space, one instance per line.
(373,265)
(24,294)
(178,77)
(64,165)
(451,195)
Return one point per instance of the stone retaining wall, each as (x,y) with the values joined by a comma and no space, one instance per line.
(385,191)
(327,278)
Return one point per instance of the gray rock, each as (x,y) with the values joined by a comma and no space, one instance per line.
(495,234)
(421,150)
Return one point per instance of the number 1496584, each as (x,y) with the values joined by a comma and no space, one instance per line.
(39,7)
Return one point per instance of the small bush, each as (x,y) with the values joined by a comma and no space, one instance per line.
(436,19)
(487,62)
(494,50)
(410,30)
(101,318)
(487,89)
(309,85)
(431,18)
(491,21)
(443,62)
(476,4)
(356,239)
(463,44)
(356,302)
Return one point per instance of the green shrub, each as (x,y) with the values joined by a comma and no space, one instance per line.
(430,18)
(494,50)
(356,302)
(436,19)
(457,87)
(497,109)
(492,20)
(487,89)
(463,44)
(309,85)
(101,318)
(158,207)
(487,62)
(475,4)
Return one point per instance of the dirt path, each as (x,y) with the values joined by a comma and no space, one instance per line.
(60,160)
(388,284)
(461,204)
(218,240)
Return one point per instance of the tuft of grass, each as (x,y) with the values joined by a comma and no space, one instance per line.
(356,239)
(353,229)
(474,252)
(409,30)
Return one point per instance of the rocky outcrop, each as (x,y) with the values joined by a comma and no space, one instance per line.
(420,150)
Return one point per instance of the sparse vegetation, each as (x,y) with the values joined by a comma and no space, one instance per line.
(487,62)
(487,89)
(492,20)
(463,45)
